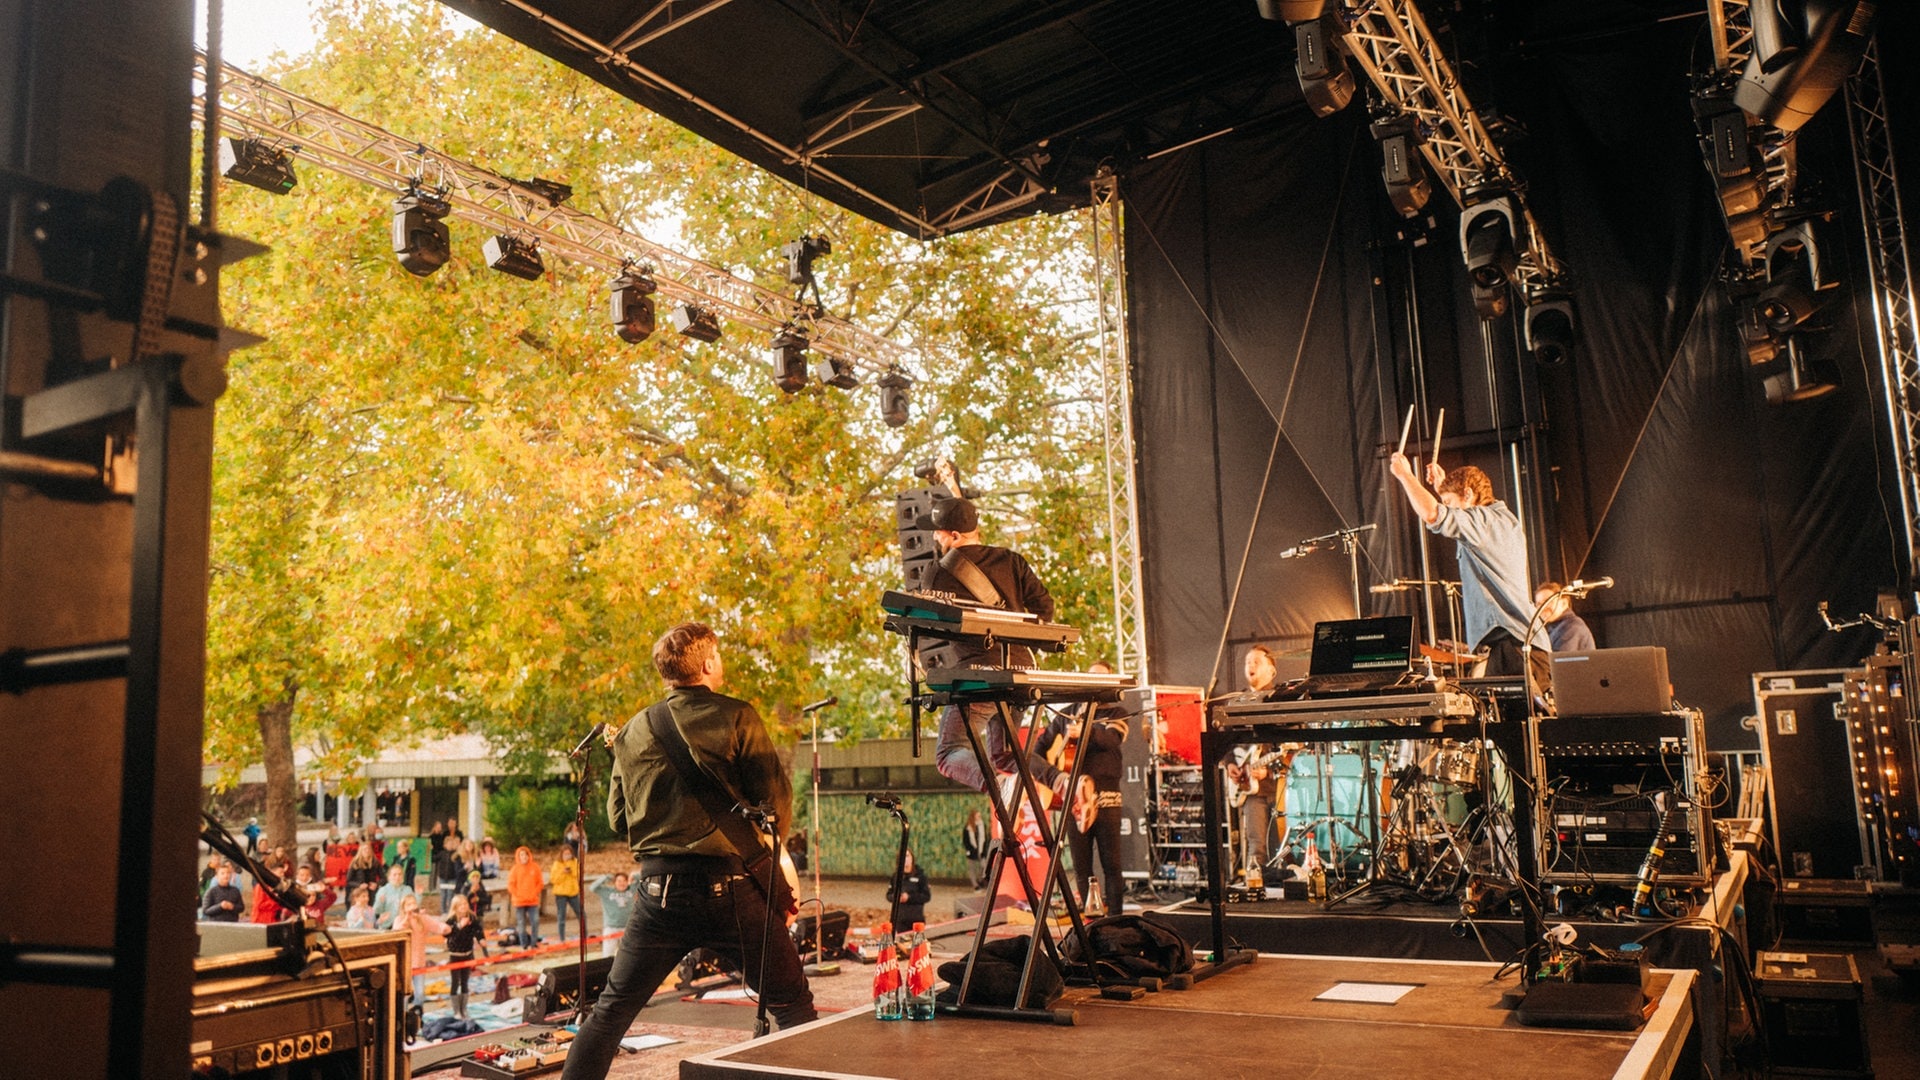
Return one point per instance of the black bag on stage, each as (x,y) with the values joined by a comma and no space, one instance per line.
(996,977)
(1135,946)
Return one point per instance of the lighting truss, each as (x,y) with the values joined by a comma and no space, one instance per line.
(1123,522)
(329,139)
(1391,43)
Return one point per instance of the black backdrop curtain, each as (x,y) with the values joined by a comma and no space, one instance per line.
(1274,357)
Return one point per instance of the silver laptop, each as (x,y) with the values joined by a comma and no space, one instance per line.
(1612,682)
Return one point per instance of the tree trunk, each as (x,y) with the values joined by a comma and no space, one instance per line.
(282,801)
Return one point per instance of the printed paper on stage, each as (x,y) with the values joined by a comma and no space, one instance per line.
(636,1043)
(1369,993)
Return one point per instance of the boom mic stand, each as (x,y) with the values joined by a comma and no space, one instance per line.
(1349,541)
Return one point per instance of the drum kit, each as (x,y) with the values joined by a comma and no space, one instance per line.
(1434,812)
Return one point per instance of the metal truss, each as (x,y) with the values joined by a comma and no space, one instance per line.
(1391,43)
(253,107)
(1892,283)
(1123,519)
(1732,29)
(1010,190)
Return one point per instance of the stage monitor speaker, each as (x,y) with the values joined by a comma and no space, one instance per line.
(559,986)
(835,941)
(251,1016)
(1815,821)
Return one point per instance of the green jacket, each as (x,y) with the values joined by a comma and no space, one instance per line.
(654,810)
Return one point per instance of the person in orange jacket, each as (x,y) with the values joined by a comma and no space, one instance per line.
(523,892)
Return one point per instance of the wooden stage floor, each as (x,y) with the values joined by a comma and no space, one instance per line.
(1456,1021)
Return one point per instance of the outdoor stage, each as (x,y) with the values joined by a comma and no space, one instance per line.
(1456,1014)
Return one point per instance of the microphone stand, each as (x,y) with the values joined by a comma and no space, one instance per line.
(899,865)
(765,823)
(1349,541)
(819,965)
(583,755)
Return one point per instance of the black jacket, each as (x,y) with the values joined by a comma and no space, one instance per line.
(1020,590)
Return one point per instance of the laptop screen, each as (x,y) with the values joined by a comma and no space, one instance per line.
(1343,646)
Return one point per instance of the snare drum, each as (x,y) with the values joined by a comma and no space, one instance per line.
(1456,763)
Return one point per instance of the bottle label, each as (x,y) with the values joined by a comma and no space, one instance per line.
(920,978)
(886,973)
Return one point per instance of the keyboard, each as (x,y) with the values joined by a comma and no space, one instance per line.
(944,617)
(966,679)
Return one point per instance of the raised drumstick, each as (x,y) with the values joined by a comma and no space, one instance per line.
(1406,429)
(1438,425)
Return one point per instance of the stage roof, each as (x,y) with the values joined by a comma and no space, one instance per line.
(931,116)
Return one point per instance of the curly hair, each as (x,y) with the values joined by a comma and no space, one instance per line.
(1469,483)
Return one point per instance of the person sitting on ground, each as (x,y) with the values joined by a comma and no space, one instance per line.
(616,908)
(564,875)
(524,886)
(360,911)
(222,902)
(386,903)
(319,897)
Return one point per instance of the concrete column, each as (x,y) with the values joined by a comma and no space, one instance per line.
(340,809)
(319,799)
(369,807)
(476,809)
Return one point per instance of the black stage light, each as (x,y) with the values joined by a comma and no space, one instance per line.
(834,371)
(420,239)
(1400,166)
(1550,327)
(800,255)
(519,256)
(895,404)
(1798,381)
(553,191)
(1324,78)
(1802,51)
(630,305)
(1754,335)
(788,355)
(1291,11)
(1489,228)
(255,163)
(1795,278)
(693,321)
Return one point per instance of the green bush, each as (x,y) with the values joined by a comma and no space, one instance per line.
(535,814)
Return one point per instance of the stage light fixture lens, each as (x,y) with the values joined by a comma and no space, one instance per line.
(788,355)
(895,402)
(420,238)
(630,307)
(693,321)
(1550,329)
(516,256)
(256,163)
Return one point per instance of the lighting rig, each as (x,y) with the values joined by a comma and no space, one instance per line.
(528,220)
(630,303)
(1423,113)
(257,163)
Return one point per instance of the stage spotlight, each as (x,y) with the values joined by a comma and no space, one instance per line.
(788,354)
(1802,51)
(833,371)
(1489,231)
(895,403)
(1797,382)
(1291,11)
(1550,327)
(1324,78)
(1754,335)
(1794,278)
(1400,166)
(420,239)
(800,255)
(693,321)
(255,163)
(518,256)
(630,305)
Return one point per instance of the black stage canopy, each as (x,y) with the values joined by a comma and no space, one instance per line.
(935,116)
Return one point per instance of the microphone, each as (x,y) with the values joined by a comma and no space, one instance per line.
(760,814)
(1302,549)
(1582,588)
(586,744)
(830,699)
(885,801)
(1391,586)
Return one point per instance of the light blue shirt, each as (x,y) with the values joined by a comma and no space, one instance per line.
(1492,550)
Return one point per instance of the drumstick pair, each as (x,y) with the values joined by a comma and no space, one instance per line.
(1438,425)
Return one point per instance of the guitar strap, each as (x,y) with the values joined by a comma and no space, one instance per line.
(742,836)
(974,578)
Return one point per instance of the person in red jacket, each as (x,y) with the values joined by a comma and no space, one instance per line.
(523,892)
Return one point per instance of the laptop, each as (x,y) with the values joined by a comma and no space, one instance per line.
(1359,656)
(1612,682)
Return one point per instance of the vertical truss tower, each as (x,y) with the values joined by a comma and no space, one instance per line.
(1123,519)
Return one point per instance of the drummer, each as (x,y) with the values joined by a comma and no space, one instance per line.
(1257,776)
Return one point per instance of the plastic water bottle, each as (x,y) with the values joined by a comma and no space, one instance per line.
(920,977)
(886,976)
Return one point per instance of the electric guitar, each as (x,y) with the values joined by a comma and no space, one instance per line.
(1240,779)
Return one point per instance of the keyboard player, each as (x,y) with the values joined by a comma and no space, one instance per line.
(997,577)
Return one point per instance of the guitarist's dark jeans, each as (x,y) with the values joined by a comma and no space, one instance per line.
(1106,834)
(673,915)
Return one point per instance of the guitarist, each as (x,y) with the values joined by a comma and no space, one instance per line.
(693,889)
(1256,778)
